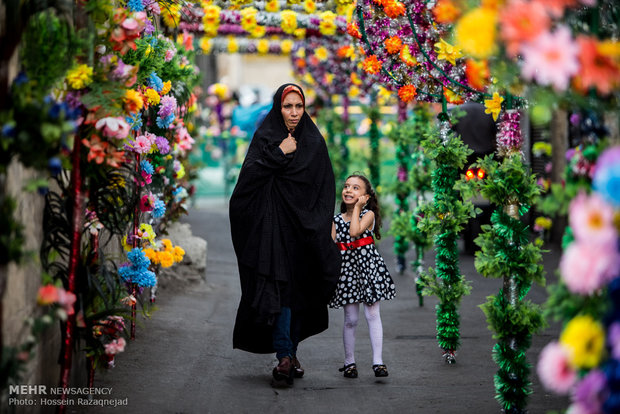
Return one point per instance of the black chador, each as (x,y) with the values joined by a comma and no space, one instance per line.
(281,215)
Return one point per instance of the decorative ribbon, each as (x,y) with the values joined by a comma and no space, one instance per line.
(357,243)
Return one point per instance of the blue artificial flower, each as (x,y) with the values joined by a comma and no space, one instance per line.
(135,120)
(607,183)
(147,167)
(155,82)
(138,258)
(20,78)
(8,130)
(54,165)
(159,209)
(163,123)
(135,5)
(179,194)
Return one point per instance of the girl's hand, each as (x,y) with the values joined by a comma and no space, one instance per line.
(362,201)
(288,144)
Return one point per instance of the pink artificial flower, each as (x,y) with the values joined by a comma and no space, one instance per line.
(522,21)
(554,369)
(47,295)
(551,58)
(66,300)
(188,41)
(116,346)
(586,267)
(185,139)
(113,127)
(142,144)
(147,202)
(146,178)
(592,220)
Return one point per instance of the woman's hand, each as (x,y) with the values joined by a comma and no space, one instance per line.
(288,144)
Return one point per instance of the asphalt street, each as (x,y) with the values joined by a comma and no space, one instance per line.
(182,359)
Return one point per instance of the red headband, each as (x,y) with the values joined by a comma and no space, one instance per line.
(292,88)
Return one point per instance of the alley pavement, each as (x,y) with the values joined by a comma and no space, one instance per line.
(182,360)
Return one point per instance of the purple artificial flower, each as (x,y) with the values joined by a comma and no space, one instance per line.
(167,106)
(591,392)
(162,144)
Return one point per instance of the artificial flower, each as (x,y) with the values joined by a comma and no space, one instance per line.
(309,6)
(165,259)
(66,300)
(321,53)
(159,209)
(591,392)
(477,73)
(554,369)
(587,267)
(493,106)
(328,78)
(155,82)
(371,64)
(521,22)
(393,8)
(407,93)
(606,180)
(132,101)
(584,338)
(596,70)
(345,52)
(80,77)
(211,19)
(445,11)
(286,46)
(393,44)
(272,6)
(551,58)
(248,18)
(152,96)
(407,57)
(475,32)
(113,127)
(171,14)
(327,26)
(353,30)
(445,51)
(542,223)
(452,97)
(258,31)
(592,220)
(146,202)
(166,88)
(233,46)
(47,295)
(556,7)
(178,253)
(115,346)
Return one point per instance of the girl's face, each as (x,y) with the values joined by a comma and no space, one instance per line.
(292,110)
(353,188)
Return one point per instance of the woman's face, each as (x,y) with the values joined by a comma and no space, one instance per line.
(352,190)
(292,110)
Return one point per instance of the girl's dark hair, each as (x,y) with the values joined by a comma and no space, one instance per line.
(373,203)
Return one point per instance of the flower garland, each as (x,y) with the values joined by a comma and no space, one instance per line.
(442,218)
(232,44)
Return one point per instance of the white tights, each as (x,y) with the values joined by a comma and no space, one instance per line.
(375,328)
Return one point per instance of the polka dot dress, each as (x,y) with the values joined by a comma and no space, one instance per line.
(364,278)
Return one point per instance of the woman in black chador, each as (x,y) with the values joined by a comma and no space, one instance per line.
(280,215)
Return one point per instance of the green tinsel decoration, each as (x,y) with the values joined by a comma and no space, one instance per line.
(444,218)
(507,253)
(373,134)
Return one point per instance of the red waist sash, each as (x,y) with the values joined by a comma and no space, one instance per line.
(357,243)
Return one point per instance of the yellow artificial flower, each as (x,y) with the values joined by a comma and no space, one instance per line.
(301,53)
(543,222)
(258,31)
(233,46)
(309,6)
(80,76)
(308,79)
(475,32)
(272,6)
(262,47)
(286,46)
(166,244)
(146,233)
(354,91)
(181,173)
(248,18)
(328,78)
(211,19)
(206,45)
(446,51)
(165,259)
(407,57)
(132,101)
(178,253)
(151,255)
(327,27)
(152,96)
(166,88)
(300,34)
(289,21)
(584,338)
(452,97)
(355,79)
(126,245)
(321,53)
(171,14)
(493,106)
(148,50)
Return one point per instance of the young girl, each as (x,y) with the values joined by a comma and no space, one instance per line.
(364,278)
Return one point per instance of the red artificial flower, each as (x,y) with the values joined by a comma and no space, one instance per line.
(597,70)
(407,93)
(354,31)
(393,8)
(47,295)
(393,44)
(445,11)
(477,73)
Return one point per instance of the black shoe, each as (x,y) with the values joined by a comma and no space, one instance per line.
(350,371)
(284,372)
(298,371)
(380,370)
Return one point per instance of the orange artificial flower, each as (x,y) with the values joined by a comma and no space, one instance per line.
(371,64)
(406,57)
(407,93)
(596,70)
(445,11)
(521,21)
(393,44)
(354,31)
(477,73)
(345,52)
(378,2)
(133,101)
(393,8)
(452,97)
(47,295)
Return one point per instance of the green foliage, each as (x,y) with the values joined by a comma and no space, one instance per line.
(509,321)
(564,305)
(11,233)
